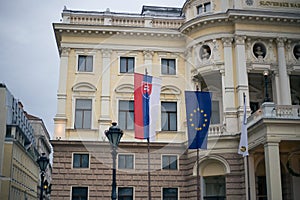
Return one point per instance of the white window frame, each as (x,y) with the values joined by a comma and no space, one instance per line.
(119,64)
(130,154)
(74,109)
(80,168)
(77,60)
(177,158)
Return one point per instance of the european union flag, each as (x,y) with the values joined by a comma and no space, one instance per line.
(198,112)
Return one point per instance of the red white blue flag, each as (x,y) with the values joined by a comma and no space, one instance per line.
(146,105)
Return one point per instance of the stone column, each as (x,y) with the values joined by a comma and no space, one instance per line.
(105,100)
(60,119)
(229,107)
(284,82)
(273,173)
(252,177)
(241,73)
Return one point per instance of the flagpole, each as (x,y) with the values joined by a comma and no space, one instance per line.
(148,144)
(248,178)
(198,174)
(149,177)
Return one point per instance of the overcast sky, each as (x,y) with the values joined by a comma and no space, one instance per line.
(29,59)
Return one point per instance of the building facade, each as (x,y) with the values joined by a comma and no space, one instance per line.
(20,173)
(230,48)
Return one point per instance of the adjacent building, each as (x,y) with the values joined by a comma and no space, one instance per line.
(18,147)
(230,48)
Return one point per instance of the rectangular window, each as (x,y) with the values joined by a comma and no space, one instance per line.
(215,114)
(199,9)
(214,187)
(81,160)
(207,7)
(125,193)
(169,162)
(125,161)
(169,116)
(83,114)
(126,64)
(126,115)
(170,193)
(79,193)
(85,63)
(168,66)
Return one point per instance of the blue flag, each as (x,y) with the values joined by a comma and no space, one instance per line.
(198,112)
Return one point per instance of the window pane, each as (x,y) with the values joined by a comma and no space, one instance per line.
(164,121)
(122,120)
(78,119)
(83,104)
(173,121)
(214,187)
(170,193)
(199,9)
(130,121)
(172,69)
(215,115)
(169,106)
(125,193)
(207,7)
(89,63)
(87,119)
(76,161)
(131,65)
(79,193)
(81,63)
(85,161)
(121,162)
(129,162)
(123,65)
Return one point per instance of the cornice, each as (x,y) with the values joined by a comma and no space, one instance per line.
(240,16)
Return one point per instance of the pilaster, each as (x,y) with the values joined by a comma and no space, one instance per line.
(241,73)
(272,161)
(148,55)
(228,87)
(284,83)
(60,117)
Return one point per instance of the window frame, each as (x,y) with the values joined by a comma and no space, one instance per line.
(87,191)
(168,167)
(204,190)
(80,167)
(85,67)
(203,7)
(127,64)
(125,155)
(162,111)
(163,194)
(128,187)
(168,66)
(212,112)
(82,127)
(127,115)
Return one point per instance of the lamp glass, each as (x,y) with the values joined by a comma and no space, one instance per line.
(43,161)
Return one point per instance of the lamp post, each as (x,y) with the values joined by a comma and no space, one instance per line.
(43,162)
(266,74)
(114,135)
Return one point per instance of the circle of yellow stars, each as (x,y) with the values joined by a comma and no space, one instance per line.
(200,127)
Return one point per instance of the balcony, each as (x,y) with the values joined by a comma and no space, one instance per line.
(270,110)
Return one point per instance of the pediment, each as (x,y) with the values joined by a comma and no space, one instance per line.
(170,89)
(84,87)
(125,88)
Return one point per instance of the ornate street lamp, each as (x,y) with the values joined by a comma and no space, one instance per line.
(43,162)
(114,135)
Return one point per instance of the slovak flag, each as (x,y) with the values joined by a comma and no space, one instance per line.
(146,105)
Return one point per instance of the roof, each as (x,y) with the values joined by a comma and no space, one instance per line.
(161,11)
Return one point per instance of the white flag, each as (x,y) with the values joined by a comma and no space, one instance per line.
(243,147)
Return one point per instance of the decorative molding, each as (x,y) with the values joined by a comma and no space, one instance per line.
(240,39)
(148,55)
(227,41)
(170,89)
(65,51)
(125,88)
(280,42)
(84,87)
(106,53)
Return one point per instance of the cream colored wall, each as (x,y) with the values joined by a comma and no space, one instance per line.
(120,45)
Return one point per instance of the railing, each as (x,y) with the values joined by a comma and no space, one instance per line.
(270,110)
